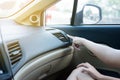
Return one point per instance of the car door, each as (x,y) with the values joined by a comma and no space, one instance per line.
(104,30)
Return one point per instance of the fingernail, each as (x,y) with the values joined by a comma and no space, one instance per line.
(77,46)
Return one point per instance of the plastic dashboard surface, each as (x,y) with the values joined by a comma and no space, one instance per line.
(34,41)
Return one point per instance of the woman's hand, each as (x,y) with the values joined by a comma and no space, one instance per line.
(77,74)
(77,42)
(90,70)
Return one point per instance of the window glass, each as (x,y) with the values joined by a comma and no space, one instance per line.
(110,11)
(60,13)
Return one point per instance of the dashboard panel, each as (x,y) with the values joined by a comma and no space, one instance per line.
(27,49)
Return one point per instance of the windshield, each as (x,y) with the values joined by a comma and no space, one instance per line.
(10,7)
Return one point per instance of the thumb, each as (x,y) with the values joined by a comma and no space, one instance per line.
(72,37)
(85,70)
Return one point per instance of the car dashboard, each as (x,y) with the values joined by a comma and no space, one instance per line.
(32,53)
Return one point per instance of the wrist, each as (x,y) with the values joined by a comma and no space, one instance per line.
(83,41)
(101,77)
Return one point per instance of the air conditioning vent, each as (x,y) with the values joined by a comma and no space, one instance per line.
(14,51)
(61,37)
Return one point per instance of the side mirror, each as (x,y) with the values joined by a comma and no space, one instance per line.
(90,14)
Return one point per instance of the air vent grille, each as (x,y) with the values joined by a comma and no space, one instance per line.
(14,51)
(61,37)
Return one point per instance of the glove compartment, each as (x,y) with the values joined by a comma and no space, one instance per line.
(45,65)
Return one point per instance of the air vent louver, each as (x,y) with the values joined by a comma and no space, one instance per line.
(61,37)
(14,51)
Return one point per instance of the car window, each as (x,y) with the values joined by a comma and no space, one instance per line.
(60,13)
(110,12)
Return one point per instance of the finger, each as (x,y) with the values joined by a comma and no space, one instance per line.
(70,36)
(86,65)
(85,70)
(82,65)
(76,47)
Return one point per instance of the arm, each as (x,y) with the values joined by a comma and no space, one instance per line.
(108,78)
(105,53)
